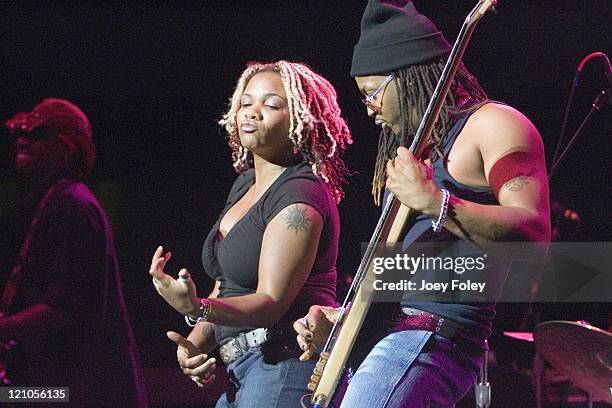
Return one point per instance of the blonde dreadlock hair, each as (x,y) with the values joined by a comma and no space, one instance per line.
(415,85)
(317,130)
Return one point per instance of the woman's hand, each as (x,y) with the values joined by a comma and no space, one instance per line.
(193,362)
(179,293)
(314,328)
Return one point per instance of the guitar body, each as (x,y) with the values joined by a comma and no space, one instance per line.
(352,319)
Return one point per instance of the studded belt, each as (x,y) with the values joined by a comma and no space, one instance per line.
(235,347)
(415,319)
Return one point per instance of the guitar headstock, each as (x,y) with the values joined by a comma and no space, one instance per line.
(479,10)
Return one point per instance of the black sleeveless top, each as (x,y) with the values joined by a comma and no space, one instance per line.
(476,315)
(234,259)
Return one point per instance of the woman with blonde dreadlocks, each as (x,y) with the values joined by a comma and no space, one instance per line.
(273,250)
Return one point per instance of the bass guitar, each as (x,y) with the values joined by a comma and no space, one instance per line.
(392,222)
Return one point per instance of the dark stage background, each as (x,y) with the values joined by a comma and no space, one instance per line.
(155,76)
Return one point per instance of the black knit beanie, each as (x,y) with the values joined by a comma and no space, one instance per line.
(394,35)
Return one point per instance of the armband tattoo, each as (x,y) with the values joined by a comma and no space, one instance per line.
(512,170)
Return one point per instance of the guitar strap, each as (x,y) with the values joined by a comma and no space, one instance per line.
(10,289)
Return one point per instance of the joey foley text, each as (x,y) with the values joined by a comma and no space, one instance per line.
(405,263)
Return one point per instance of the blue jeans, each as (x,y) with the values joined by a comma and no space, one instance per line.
(412,368)
(259,384)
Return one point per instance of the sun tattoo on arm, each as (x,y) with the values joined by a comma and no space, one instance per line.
(297,219)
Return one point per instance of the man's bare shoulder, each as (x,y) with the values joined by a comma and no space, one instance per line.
(496,126)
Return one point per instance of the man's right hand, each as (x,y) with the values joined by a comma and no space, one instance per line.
(314,328)
(195,364)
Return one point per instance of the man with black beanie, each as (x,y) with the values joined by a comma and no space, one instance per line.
(483,180)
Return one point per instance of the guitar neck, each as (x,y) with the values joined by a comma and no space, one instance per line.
(450,69)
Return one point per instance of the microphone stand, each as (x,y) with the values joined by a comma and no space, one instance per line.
(482,387)
(602,97)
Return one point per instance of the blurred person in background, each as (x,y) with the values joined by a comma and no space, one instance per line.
(63,301)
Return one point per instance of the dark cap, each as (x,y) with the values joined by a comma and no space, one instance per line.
(394,35)
(66,122)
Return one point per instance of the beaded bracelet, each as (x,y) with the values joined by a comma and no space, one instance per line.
(205,309)
(437,224)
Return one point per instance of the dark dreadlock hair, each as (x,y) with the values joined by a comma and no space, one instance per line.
(415,85)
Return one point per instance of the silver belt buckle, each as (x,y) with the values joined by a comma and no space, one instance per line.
(230,351)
